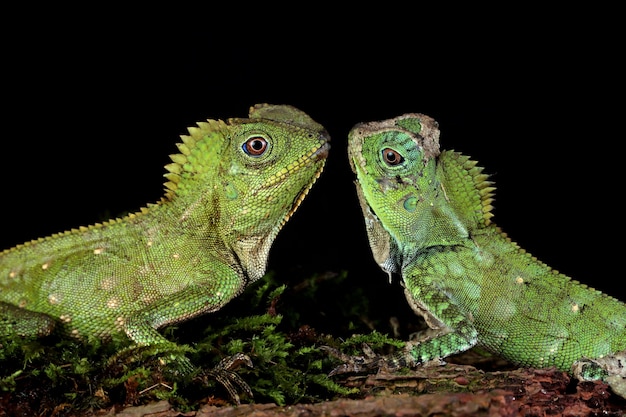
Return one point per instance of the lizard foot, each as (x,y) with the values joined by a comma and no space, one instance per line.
(371,362)
(171,357)
(610,368)
(224,373)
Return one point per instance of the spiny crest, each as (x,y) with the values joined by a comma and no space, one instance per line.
(175,169)
(471,186)
(180,160)
(72,231)
(534,259)
(484,187)
(178,165)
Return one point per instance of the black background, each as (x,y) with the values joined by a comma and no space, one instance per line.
(93,105)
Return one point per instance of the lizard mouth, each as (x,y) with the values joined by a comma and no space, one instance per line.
(322,151)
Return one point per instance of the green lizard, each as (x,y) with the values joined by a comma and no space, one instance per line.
(428,217)
(228,193)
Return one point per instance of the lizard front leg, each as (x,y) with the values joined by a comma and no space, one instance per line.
(141,327)
(451,329)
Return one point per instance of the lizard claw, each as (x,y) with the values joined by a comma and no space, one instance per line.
(354,364)
(224,373)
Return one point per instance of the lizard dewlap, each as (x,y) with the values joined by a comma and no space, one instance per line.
(428,218)
(229,191)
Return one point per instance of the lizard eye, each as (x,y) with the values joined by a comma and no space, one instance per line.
(255,146)
(392,157)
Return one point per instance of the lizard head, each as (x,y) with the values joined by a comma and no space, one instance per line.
(394,161)
(412,195)
(244,178)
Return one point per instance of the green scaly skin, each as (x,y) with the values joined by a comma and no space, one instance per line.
(228,193)
(428,218)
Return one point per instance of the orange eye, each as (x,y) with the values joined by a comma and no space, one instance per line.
(255,146)
(392,157)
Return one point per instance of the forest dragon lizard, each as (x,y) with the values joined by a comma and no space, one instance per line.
(428,217)
(228,193)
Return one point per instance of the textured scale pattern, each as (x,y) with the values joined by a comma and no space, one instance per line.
(229,191)
(428,217)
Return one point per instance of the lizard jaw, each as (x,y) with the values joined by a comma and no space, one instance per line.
(320,154)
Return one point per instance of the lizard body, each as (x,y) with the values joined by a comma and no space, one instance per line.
(428,218)
(229,191)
